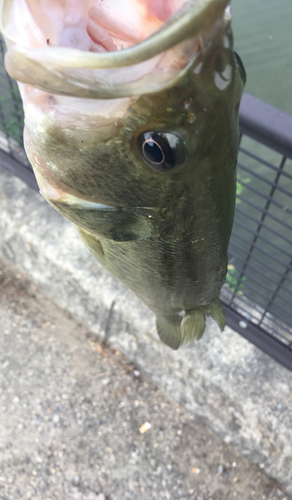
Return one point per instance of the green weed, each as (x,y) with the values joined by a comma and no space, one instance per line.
(240,188)
(232,280)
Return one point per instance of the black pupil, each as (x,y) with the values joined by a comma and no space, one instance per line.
(153,152)
(158,149)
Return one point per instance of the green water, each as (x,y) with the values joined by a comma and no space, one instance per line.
(263,38)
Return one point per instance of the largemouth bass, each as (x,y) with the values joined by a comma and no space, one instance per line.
(131,126)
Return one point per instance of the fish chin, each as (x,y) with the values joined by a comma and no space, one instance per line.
(105,48)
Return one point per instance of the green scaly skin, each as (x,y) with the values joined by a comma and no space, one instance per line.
(163,234)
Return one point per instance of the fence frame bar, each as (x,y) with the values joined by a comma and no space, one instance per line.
(266,343)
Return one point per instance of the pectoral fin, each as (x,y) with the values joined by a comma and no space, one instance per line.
(117,224)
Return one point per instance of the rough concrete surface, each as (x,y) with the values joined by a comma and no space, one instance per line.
(229,384)
(72,413)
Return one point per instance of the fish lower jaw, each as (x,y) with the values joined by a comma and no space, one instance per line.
(53,194)
(57,195)
(49,192)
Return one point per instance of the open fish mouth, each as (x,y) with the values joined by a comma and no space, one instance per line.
(105,48)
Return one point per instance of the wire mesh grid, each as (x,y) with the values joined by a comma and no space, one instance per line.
(259,280)
(11,115)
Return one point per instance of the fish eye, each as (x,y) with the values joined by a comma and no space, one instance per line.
(161,151)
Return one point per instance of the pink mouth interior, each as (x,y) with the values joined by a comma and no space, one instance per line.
(94,25)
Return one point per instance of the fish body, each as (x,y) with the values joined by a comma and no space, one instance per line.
(141,157)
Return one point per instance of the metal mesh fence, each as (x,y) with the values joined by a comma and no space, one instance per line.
(258,290)
(260,251)
(11,115)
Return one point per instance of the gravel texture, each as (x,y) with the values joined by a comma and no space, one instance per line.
(80,422)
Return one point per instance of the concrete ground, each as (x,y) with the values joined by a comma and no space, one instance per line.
(79,422)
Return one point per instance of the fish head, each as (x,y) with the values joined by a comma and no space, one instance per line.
(122,98)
